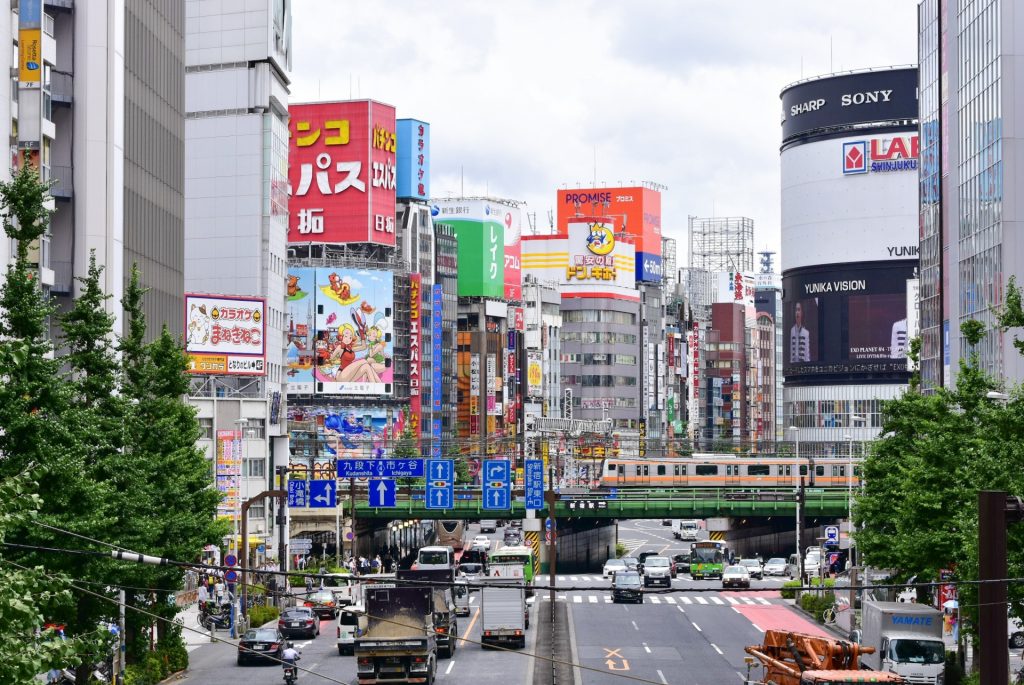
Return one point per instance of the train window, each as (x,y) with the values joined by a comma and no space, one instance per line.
(611,467)
(675,470)
(706,470)
(789,470)
(683,469)
(647,470)
(758,469)
(661,469)
(622,469)
(819,470)
(803,469)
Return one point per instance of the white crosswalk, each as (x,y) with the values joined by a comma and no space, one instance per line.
(662,599)
(598,578)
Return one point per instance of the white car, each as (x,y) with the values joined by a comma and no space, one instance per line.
(776,566)
(657,570)
(753,567)
(611,567)
(482,541)
(736,576)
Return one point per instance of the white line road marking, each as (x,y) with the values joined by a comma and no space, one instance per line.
(701,600)
(662,676)
(747,600)
(607,599)
(655,600)
(670,600)
(759,628)
(451,665)
(593,599)
(646,648)
(472,599)
(561,578)
(717,601)
(762,600)
(635,625)
(732,600)
(573,578)
(717,649)
(682,610)
(686,600)
(577,599)
(697,627)
(737,611)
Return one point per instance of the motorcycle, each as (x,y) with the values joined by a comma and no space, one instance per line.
(220,621)
(291,673)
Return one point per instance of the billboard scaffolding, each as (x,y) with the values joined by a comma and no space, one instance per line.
(722,243)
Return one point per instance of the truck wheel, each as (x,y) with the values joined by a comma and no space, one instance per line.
(522,642)
(1018,640)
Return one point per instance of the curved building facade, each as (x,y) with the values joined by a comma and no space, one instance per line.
(849,159)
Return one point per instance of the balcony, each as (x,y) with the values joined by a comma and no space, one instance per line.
(62,87)
(63,182)
(61,4)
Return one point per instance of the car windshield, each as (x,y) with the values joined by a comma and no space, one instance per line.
(470,568)
(627,580)
(917,651)
(656,561)
(738,570)
(630,561)
(296,613)
(337,581)
(776,562)
(261,635)
(615,563)
(749,562)
(438,557)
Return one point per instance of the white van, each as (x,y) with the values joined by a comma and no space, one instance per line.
(461,597)
(351,625)
(345,587)
(435,557)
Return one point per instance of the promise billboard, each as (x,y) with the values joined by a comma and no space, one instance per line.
(342,171)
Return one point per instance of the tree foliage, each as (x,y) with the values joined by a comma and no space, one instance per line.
(937,451)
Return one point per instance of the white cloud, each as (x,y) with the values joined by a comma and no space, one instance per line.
(523,96)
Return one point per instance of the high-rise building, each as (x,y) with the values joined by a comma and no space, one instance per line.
(768,304)
(237,60)
(849,248)
(970,239)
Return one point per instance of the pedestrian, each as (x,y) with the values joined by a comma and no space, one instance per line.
(375,565)
(219,593)
(309,584)
(204,597)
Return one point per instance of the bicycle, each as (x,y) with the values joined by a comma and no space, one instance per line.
(828,617)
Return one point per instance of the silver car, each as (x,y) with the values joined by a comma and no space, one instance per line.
(776,566)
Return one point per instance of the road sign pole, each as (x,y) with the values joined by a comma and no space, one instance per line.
(551,498)
(243,554)
(282,536)
(337,527)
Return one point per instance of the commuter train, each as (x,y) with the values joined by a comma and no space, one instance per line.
(714,471)
(450,533)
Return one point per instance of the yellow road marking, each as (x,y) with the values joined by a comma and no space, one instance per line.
(476,615)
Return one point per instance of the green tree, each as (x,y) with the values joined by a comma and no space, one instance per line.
(28,596)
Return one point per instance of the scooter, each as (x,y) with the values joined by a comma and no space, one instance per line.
(220,621)
(291,673)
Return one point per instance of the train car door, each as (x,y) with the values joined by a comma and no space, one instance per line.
(733,474)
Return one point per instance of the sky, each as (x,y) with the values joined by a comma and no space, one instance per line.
(530,96)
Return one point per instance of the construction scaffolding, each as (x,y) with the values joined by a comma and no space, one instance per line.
(722,244)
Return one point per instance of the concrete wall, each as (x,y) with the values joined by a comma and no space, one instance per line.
(581,548)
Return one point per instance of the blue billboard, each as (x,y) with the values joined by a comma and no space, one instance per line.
(413,159)
(648,267)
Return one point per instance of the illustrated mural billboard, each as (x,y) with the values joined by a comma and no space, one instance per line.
(225,334)
(350,431)
(340,331)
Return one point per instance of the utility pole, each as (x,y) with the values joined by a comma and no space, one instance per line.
(800,513)
(551,497)
(243,555)
(282,537)
(995,511)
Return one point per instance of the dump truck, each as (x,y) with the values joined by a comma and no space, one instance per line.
(790,658)
(441,583)
(907,639)
(399,645)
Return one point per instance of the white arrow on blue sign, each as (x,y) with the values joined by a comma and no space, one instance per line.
(322,493)
(440,491)
(382,493)
(497,488)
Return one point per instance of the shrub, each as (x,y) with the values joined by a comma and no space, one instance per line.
(260,615)
(815,604)
(620,550)
(175,656)
(154,667)
(789,589)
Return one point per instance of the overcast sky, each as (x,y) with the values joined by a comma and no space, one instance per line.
(522,95)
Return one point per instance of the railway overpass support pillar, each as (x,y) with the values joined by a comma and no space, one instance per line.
(583,545)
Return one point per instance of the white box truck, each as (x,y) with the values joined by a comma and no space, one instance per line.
(907,639)
(503,616)
(685,529)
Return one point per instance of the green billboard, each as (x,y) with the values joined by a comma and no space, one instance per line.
(481,238)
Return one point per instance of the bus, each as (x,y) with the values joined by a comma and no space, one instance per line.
(450,532)
(707,559)
(519,555)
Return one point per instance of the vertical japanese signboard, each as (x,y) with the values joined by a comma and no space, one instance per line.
(228,472)
(415,361)
(342,172)
(413,159)
(437,375)
(30,43)
(480,226)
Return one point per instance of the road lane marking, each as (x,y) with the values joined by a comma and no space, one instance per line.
(655,600)
(607,599)
(476,615)
(686,600)
(573,578)
(697,627)
(759,628)
(670,600)
(451,665)
(472,599)
(646,648)
(747,600)
(762,600)
(577,599)
(635,625)
(701,600)
(732,600)
(717,649)
(593,599)
(737,611)
(682,610)
(716,600)
(662,676)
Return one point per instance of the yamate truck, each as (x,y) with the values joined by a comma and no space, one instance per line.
(907,639)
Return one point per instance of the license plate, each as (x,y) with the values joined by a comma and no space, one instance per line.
(257,646)
(295,624)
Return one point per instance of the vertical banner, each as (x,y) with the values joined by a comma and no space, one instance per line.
(415,361)
(30,43)
(228,472)
(437,375)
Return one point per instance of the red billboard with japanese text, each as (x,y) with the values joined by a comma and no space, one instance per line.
(342,171)
(415,359)
(637,210)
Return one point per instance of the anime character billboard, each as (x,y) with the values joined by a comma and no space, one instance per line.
(346,432)
(299,357)
(354,317)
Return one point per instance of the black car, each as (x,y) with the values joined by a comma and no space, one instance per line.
(261,644)
(643,556)
(626,587)
(299,621)
(682,562)
(322,603)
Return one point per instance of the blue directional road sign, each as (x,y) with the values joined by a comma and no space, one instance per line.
(497,484)
(440,483)
(298,495)
(382,493)
(534,476)
(380,468)
(323,493)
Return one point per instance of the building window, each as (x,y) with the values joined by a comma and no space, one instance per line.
(205,428)
(256,468)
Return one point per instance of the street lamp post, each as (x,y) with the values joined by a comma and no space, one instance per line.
(799,488)
(854,420)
